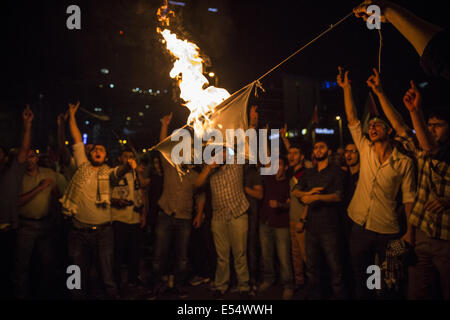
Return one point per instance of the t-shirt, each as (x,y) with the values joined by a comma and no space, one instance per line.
(323,216)
(39,206)
(125,189)
(177,198)
(10,186)
(83,196)
(275,190)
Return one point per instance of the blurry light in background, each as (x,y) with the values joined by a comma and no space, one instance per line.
(104,71)
(304,132)
(85,136)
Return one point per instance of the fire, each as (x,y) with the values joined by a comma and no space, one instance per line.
(198,96)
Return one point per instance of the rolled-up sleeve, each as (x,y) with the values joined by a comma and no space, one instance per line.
(357,135)
(79,154)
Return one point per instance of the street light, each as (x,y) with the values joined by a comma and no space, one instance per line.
(339,119)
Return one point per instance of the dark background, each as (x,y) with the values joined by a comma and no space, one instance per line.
(47,65)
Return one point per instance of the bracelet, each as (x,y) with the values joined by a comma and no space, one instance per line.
(302,220)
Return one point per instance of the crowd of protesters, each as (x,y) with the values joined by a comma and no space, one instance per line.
(319,225)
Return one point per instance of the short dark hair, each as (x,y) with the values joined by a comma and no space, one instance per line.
(439,114)
(323,141)
(296,145)
(126,150)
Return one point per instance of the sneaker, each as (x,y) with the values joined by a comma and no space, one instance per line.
(197,280)
(171,281)
(218,295)
(181,293)
(212,286)
(244,295)
(264,286)
(152,294)
(288,293)
(253,291)
(234,289)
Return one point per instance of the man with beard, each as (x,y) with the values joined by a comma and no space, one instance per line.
(321,188)
(87,201)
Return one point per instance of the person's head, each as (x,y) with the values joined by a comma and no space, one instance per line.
(282,167)
(351,155)
(98,154)
(125,156)
(46,161)
(438,126)
(321,150)
(32,160)
(379,130)
(295,155)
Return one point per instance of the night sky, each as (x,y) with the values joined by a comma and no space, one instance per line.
(47,65)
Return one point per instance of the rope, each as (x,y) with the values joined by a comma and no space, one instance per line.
(306,45)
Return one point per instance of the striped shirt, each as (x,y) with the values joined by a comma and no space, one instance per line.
(433,182)
(227,190)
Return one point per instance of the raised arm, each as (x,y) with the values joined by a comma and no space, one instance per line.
(76,134)
(416,30)
(27,117)
(165,122)
(350,108)
(394,117)
(286,142)
(413,102)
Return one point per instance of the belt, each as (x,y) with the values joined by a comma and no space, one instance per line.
(32,219)
(81,226)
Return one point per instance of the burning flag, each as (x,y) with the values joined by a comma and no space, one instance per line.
(210,107)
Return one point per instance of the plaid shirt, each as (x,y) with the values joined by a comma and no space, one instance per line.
(227,189)
(433,182)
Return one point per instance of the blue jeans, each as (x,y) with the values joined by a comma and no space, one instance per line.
(278,239)
(231,235)
(32,236)
(98,244)
(328,244)
(168,227)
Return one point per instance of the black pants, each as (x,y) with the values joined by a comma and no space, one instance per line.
(364,244)
(327,243)
(202,251)
(127,248)
(98,244)
(7,249)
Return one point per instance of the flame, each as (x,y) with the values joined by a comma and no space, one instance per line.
(198,96)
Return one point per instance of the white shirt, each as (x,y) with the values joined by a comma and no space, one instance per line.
(374,201)
(125,190)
